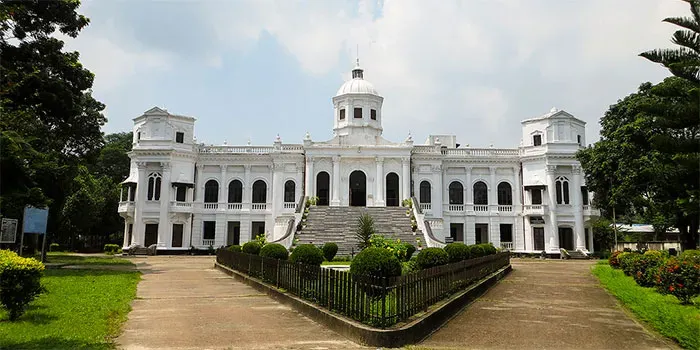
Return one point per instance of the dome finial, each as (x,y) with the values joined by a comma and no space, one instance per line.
(357,71)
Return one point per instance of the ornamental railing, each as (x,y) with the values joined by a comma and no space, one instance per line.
(376,301)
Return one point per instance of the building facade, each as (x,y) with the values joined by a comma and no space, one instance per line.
(533,198)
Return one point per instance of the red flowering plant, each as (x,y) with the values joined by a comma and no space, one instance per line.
(680,278)
(614,260)
(645,267)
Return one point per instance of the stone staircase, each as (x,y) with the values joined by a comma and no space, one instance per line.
(575,254)
(338,225)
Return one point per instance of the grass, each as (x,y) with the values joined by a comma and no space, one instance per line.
(68,258)
(663,312)
(82,309)
(344,263)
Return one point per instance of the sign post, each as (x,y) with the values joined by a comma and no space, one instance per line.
(35,221)
(8,231)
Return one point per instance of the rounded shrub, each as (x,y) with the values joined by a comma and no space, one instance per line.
(614,259)
(19,282)
(329,249)
(431,257)
(274,251)
(410,249)
(489,249)
(252,247)
(628,262)
(234,248)
(680,278)
(377,262)
(476,251)
(457,252)
(308,254)
(692,255)
(646,267)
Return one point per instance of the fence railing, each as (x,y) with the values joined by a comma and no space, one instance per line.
(378,302)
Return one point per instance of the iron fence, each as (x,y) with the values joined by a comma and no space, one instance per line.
(376,301)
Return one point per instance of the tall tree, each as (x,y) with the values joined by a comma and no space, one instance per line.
(48,112)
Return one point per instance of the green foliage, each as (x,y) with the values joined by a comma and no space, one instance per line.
(409,266)
(274,251)
(377,262)
(431,257)
(457,252)
(394,246)
(54,247)
(311,201)
(628,261)
(19,282)
(364,231)
(408,202)
(329,249)
(261,239)
(252,247)
(664,313)
(111,248)
(680,278)
(614,259)
(410,249)
(692,255)
(308,254)
(235,248)
(646,268)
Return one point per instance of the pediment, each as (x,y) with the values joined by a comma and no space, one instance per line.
(155,110)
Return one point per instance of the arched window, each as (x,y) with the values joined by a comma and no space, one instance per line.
(322,188)
(154,187)
(481,193)
(259,192)
(562,188)
(392,190)
(235,191)
(211,192)
(289,189)
(425,195)
(505,194)
(456,193)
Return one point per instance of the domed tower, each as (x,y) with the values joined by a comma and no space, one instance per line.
(357,107)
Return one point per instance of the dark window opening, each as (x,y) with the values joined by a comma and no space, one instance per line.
(482,233)
(233,236)
(151,235)
(457,232)
(537,140)
(342,114)
(235,192)
(392,190)
(157,189)
(584,195)
(181,194)
(566,192)
(481,193)
(505,194)
(209,230)
(425,195)
(358,113)
(257,228)
(289,191)
(506,233)
(180,137)
(259,192)
(177,235)
(322,188)
(373,114)
(211,192)
(138,136)
(456,193)
(559,197)
(151,183)
(536,196)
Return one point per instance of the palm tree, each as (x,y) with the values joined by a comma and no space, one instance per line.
(683,62)
(364,230)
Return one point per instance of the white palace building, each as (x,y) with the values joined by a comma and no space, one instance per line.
(531,198)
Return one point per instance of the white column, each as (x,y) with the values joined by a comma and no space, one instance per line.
(518,241)
(379,180)
(223,188)
(309,187)
(141,188)
(277,190)
(126,242)
(164,229)
(493,192)
(551,243)
(575,194)
(405,179)
(199,186)
(436,192)
(336,181)
(590,240)
(247,188)
(469,189)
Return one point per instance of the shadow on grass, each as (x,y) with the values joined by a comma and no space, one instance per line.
(53,343)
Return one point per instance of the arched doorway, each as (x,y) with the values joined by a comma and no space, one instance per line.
(392,190)
(358,189)
(322,187)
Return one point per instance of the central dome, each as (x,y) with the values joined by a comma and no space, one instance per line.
(357,85)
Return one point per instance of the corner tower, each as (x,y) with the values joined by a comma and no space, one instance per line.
(357,107)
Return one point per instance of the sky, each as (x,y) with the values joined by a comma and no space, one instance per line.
(249,70)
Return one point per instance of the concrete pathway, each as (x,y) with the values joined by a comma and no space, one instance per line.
(184,303)
(545,305)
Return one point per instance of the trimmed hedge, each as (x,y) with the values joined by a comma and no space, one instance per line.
(111,248)
(377,262)
(235,248)
(307,254)
(329,249)
(19,282)
(431,257)
(680,278)
(274,251)
(457,252)
(252,247)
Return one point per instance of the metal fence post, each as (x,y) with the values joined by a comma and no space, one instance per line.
(277,280)
(384,292)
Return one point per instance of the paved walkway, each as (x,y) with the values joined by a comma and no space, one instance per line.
(184,303)
(545,305)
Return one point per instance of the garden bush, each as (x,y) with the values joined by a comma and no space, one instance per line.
(377,262)
(680,278)
(307,254)
(234,248)
(410,249)
(692,255)
(111,248)
(457,252)
(394,246)
(614,259)
(19,282)
(274,251)
(431,257)
(627,262)
(488,248)
(252,247)
(55,247)
(329,249)
(646,267)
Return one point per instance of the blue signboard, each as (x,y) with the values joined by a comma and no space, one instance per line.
(35,220)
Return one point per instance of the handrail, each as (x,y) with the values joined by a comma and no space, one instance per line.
(301,204)
(287,234)
(415,204)
(431,236)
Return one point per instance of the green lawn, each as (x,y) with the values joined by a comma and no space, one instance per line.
(68,258)
(82,309)
(663,312)
(345,263)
